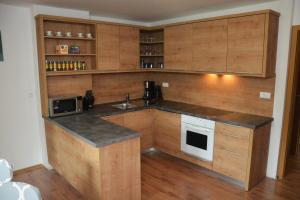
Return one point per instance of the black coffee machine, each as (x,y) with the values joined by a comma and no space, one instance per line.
(152,92)
(88,100)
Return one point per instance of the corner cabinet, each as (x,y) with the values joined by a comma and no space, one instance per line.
(243,44)
(117,47)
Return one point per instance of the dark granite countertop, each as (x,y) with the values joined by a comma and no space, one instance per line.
(228,117)
(91,128)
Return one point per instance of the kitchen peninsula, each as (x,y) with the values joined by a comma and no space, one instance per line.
(99,150)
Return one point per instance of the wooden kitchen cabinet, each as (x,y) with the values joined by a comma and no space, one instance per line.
(178,47)
(97,173)
(167,132)
(142,122)
(108,43)
(241,153)
(209,46)
(238,44)
(117,47)
(129,47)
(252,43)
(139,121)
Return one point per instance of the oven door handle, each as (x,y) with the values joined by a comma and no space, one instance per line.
(207,130)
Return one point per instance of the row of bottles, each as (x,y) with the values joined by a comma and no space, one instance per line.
(65,65)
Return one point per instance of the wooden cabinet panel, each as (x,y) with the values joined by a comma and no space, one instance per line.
(129,47)
(146,138)
(230,164)
(167,131)
(210,46)
(246,36)
(231,150)
(139,121)
(178,47)
(108,47)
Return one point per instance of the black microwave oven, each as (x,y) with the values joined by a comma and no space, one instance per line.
(60,106)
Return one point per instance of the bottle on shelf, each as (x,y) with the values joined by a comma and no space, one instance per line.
(83,65)
(65,65)
(47,66)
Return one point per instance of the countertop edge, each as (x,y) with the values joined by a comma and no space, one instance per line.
(103,144)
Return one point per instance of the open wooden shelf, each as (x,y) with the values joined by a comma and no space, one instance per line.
(70,54)
(156,70)
(152,42)
(68,38)
(84,72)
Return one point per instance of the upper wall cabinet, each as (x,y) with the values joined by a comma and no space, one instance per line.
(209,46)
(252,45)
(178,47)
(108,43)
(117,47)
(129,47)
(239,44)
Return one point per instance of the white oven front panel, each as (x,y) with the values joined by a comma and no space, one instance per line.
(197,141)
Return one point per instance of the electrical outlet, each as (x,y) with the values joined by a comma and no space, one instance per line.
(165,84)
(265,95)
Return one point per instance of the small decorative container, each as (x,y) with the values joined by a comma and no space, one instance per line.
(62,49)
(74,49)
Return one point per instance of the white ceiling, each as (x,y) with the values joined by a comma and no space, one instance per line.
(141,10)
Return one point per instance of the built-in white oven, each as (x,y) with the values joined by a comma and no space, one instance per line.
(197,137)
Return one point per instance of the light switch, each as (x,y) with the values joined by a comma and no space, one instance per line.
(265,95)
(165,84)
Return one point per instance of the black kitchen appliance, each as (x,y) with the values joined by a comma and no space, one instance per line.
(88,100)
(158,93)
(67,105)
(152,92)
(149,92)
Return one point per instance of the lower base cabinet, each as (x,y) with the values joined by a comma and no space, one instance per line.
(240,153)
(111,172)
(139,121)
(167,131)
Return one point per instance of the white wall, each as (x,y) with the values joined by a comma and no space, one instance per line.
(22,137)
(46,10)
(19,136)
(296,18)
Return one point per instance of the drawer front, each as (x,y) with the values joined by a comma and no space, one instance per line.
(230,164)
(231,150)
(233,144)
(236,132)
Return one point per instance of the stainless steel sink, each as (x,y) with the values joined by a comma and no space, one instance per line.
(124,106)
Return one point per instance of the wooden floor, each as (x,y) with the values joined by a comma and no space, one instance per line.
(168,178)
